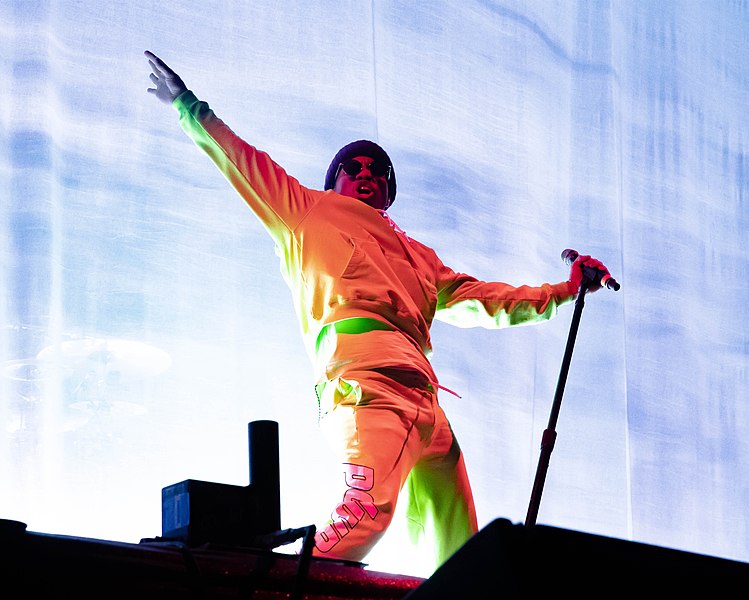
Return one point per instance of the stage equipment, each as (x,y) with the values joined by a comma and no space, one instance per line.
(106,356)
(198,512)
(515,561)
(590,277)
(43,565)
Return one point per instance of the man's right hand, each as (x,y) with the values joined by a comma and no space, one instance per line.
(168,83)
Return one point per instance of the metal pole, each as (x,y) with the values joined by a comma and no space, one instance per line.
(550,434)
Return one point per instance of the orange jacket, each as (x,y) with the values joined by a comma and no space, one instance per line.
(350,268)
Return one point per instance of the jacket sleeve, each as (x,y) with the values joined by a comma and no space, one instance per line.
(465,301)
(277,199)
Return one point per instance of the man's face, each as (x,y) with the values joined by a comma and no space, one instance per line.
(371,188)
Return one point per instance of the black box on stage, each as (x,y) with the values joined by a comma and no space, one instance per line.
(199,512)
(514,561)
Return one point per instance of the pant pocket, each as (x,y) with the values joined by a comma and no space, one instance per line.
(338,391)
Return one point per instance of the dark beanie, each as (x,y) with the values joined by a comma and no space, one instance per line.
(360,148)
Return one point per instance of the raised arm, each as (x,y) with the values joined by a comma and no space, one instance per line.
(278,200)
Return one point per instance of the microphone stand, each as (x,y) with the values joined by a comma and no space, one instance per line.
(550,434)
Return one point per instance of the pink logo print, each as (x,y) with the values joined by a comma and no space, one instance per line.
(356,503)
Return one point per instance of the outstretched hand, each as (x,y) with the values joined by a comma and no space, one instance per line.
(168,83)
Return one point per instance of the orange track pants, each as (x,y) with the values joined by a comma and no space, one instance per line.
(392,436)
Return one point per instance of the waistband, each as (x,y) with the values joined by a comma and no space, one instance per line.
(412,378)
(359,325)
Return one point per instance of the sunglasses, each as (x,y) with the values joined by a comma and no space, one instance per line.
(353,167)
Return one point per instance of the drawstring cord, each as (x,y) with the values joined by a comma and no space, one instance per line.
(394,225)
(442,387)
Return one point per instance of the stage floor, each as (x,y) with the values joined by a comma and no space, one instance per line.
(56,566)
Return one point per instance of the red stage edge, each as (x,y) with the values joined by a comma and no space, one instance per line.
(43,565)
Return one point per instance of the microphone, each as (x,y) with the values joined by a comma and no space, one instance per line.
(594,275)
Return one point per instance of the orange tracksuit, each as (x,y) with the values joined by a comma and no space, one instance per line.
(365,295)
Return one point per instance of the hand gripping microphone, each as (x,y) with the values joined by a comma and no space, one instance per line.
(594,275)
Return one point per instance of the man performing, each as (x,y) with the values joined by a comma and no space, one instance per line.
(365,294)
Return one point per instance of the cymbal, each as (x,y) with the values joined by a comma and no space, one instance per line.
(109,354)
(113,408)
(23,369)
